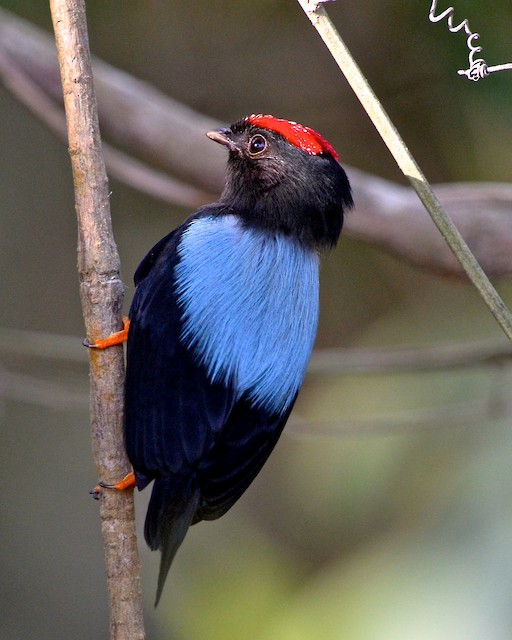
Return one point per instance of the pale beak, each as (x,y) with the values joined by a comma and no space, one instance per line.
(223,136)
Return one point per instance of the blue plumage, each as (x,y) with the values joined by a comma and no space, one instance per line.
(250,308)
(223,322)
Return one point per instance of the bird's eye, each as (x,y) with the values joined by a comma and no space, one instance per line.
(257,144)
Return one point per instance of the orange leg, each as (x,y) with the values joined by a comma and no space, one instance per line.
(115,338)
(126,483)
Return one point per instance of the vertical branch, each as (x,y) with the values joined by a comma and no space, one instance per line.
(101,292)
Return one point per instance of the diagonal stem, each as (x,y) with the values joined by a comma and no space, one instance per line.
(407,164)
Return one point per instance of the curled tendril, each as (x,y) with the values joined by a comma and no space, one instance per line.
(477,68)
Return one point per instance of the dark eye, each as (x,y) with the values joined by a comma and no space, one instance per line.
(257,144)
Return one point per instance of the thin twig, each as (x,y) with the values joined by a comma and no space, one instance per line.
(25,388)
(406,162)
(449,416)
(360,360)
(101,292)
(18,343)
(59,396)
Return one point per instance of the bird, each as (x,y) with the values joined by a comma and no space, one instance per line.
(222,326)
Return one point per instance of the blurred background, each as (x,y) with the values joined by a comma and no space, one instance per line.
(385,512)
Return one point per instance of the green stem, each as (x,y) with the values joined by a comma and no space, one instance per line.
(406,162)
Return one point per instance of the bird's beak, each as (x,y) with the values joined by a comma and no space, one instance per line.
(223,136)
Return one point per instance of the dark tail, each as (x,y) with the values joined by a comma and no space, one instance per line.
(171,510)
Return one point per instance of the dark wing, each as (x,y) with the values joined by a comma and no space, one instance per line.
(177,422)
(246,442)
(172,411)
(149,260)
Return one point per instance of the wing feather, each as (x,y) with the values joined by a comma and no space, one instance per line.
(172,411)
(177,421)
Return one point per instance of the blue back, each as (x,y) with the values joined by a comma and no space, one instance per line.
(250,307)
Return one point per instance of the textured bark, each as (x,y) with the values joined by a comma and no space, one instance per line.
(101,291)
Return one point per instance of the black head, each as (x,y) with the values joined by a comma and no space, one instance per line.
(284,177)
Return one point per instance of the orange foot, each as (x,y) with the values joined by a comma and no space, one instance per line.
(126,483)
(116,338)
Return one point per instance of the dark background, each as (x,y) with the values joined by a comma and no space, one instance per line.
(395,520)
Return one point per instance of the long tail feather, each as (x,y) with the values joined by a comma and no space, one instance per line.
(171,511)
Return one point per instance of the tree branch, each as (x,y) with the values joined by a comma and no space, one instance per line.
(134,114)
(18,343)
(101,292)
(121,166)
(389,134)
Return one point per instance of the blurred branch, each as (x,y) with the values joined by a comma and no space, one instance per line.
(101,292)
(39,344)
(57,395)
(132,113)
(345,361)
(139,118)
(408,165)
(391,217)
(444,417)
(17,345)
(121,166)
(31,389)
(395,360)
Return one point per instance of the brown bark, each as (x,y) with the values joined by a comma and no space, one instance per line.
(101,291)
